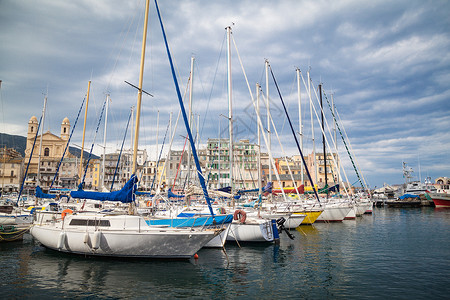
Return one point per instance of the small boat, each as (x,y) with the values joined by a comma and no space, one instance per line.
(11,233)
(252,229)
(406,200)
(440,199)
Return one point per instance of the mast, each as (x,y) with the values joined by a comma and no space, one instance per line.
(170,148)
(258,87)
(230,107)
(218,167)
(139,100)
(40,142)
(268,115)
(104,144)
(323,139)
(84,131)
(191,85)
(157,131)
(335,139)
(300,123)
(312,131)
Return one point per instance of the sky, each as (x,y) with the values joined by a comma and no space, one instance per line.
(386,64)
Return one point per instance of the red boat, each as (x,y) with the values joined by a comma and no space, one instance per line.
(440,199)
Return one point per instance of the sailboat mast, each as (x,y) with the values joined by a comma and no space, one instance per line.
(157,132)
(258,87)
(104,144)
(191,86)
(312,131)
(323,138)
(84,131)
(230,107)
(300,123)
(335,139)
(141,77)
(218,167)
(40,142)
(268,115)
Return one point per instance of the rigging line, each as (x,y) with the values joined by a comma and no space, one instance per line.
(284,156)
(170,147)
(120,153)
(159,157)
(271,160)
(174,131)
(213,82)
(288,104)
(179,163)
(322,130)
(68,141)
(124,35)
(351,150)
(29,161)
(92,145)
(293,133)
(180,101)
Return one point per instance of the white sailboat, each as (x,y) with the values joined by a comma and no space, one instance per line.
(251,228)
(103,234)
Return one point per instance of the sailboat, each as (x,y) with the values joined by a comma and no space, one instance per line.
(120,235)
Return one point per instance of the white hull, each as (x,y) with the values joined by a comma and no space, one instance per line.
(294,221)
(253,230)
(351,214)
(219,240)
(334,213)
(127,236)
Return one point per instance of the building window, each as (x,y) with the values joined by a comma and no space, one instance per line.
(65,129)
(32,129)
(47,152)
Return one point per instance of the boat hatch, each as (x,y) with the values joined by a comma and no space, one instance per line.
(84,222)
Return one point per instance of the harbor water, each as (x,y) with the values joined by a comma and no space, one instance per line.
(392,254)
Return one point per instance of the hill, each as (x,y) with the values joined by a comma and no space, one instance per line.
(19,143)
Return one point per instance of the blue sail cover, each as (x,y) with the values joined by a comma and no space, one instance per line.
(226,189)
(41,194)
(408,196)
(144,194)
(125,195)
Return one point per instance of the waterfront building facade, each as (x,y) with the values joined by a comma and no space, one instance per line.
(11,168)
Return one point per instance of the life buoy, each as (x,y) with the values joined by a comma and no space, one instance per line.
(240,215)
(149,203)
(65,212)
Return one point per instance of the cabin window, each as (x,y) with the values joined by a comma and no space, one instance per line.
(84,222)
(47,152)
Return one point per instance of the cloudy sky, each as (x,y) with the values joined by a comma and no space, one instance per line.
(386,63)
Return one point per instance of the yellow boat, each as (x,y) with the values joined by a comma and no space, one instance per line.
(311,215)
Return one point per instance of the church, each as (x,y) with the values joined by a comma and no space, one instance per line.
(48,157)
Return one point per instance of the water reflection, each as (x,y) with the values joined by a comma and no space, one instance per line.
(389,254)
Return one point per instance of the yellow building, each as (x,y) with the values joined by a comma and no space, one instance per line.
(11,163)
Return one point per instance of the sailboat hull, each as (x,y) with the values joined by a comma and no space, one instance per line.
(334,214)
(127,236)
(254,230)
